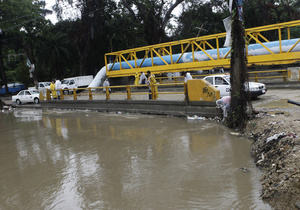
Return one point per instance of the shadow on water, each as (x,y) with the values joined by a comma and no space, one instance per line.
(90,160)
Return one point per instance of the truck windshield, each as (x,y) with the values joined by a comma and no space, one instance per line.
(65,82)
(227,77)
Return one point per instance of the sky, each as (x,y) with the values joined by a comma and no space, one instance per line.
(68,11)
(49,4)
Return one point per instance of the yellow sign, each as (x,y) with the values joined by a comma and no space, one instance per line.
(201,90)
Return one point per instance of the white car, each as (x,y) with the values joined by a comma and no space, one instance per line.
(27,96)
(222,82)
(41,86)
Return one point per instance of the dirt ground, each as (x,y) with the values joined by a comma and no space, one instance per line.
(276,147)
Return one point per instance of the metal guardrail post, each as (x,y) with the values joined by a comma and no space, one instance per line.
(256,79)
(90,94)
(128,92)
(284,76)
(61,94)
(48,96)
(107,93)
(74,94)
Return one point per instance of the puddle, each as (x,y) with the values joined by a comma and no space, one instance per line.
(277,104)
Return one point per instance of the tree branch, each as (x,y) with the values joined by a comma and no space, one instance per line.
(129,9)
(168,14)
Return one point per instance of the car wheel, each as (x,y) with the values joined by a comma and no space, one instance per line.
(36,100)
(18,101)
(66,92)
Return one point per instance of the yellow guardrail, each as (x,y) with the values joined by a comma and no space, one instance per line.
(253,75)
(271,74)
(128,90)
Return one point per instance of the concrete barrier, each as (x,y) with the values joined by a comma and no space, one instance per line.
(177,108)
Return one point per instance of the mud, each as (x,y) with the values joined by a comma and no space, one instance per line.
(276,149)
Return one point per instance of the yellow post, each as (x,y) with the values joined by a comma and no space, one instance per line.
(61,94)
(42,97)
(284,76)
(48,96)
(256,79)
(74,94)
(107,93)
(90,94)
(128,92)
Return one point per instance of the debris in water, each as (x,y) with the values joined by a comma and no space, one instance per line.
(195,117)
(235,133)
(244,169)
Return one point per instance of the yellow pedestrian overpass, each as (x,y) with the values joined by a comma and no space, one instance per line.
(207,52)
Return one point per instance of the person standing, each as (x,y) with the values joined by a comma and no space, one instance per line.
(105,84)
(143,79)
(52,89)
(187,76)
(151,82)
(58,87)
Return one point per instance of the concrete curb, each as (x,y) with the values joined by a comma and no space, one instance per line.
(178,108)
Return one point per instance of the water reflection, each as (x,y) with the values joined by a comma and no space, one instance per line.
(90,160)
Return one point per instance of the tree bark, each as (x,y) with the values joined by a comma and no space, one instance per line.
(2,67)
(240,97)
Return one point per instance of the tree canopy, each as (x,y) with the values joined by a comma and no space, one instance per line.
(76,46)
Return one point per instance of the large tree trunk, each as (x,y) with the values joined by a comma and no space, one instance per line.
(2,67)
(238,75)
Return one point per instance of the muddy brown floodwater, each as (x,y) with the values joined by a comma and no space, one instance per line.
(54,159)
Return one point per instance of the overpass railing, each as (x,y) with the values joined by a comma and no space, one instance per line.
(171,54)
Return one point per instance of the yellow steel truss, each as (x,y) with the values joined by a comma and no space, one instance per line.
(204,43)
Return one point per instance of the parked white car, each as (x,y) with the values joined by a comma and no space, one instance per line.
(222,82)
(26,96)
(41,86)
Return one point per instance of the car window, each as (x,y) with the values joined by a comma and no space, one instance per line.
(21,93)
(218,81)
(35,91)
(42,85)
(27,93)
(209,79)
(72,82)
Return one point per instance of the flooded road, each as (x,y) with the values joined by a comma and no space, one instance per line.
(55,159)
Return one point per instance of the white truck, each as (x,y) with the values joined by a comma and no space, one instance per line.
(42,87)
(222,82)
(68,84)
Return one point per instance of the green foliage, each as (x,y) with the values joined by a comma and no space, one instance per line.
(74,47)
(201,19)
